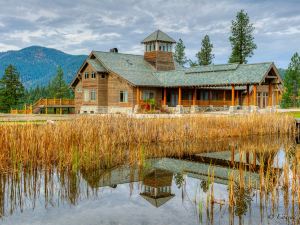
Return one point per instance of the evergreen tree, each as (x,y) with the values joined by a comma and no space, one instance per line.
(11,89)
(179,54)
(192,63)
(242,40)
(290,97)
(205,55)
(58,88)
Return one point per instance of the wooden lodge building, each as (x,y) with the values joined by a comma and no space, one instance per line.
(112,82)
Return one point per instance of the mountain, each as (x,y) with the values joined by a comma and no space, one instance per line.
(37,65)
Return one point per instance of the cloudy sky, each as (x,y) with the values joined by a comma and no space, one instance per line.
(77,27)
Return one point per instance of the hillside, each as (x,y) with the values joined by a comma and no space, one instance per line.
(37,65)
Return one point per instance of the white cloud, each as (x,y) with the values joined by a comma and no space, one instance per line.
(6,47)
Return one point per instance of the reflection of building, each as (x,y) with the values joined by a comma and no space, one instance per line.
(157,187)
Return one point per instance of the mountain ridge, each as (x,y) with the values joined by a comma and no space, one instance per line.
(37,65)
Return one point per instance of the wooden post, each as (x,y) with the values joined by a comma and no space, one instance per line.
(194,96)
(248,95)
(137,95)
(165,96)
(224,97)
(254,94)
(277,96)
(270,95)
(46,107)
(179,96)
(232,95)
(209,97)
(237,98)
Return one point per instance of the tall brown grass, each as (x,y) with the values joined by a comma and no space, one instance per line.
(113,139)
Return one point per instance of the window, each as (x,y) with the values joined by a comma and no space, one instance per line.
(123,96)
(93,95)
(86,75)
(86,95)
(103,76)
(147,94)
(93,75)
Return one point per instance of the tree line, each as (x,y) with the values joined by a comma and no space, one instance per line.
(242,48)
(13,94)
(241,39)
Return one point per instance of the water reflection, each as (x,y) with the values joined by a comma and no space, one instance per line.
(249,181)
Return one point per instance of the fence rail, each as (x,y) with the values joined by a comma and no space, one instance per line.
(44,103)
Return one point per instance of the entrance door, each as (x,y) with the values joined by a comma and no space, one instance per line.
(174,99)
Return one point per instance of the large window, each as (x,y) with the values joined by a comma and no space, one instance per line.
(147,94)
(93,75)
(123,96)
(86,95)
(86,75)
(93,95)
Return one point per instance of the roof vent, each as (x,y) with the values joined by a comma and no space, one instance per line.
(115,50)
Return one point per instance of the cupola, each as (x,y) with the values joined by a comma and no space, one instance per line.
(159,50)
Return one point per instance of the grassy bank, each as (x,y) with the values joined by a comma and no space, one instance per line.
(108,139)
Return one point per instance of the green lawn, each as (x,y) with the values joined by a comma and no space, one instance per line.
(295,114)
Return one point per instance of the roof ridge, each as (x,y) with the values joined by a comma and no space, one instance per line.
(120,53)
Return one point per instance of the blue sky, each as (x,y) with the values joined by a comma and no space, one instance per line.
(77,27)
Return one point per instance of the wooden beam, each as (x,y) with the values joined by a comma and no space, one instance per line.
(165,96)
(232,95)
(277,96)
(194,96)
(270,95)
(248,95)
(137,95)
(224,97)
(254,94)
(179,96)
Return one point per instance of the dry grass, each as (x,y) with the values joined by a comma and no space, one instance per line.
(111,140)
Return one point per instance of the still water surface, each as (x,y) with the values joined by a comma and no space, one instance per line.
(191,190)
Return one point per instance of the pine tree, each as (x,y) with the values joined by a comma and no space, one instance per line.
(179,54)
(205,55)
(11,89)
(290,97)
(242,40)
(58,87)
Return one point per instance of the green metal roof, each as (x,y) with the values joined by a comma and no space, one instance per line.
(96,65)
(139,72)
(158,36)
(243,74)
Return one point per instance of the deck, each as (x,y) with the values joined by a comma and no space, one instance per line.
(48,106)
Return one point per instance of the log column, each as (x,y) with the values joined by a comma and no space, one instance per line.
(165,97)
(179,96)
(137,95)
(194,96)
(248,95)
(254,95)
(224,97)
(270,99)
(232,95)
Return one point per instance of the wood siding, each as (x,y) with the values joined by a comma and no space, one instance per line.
(160,60)
(117,84)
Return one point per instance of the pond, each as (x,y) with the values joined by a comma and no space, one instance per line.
(237,182)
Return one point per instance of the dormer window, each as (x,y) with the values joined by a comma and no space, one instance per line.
(93,75)
(86,75)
